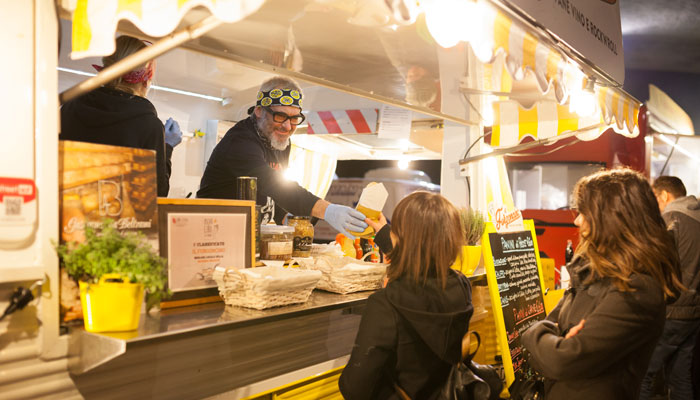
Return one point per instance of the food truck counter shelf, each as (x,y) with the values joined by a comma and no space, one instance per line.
(93,349)
(217,347)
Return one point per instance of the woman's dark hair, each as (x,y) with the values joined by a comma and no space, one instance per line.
(626,232)
(429,236)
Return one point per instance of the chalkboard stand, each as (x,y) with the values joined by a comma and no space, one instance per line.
(516,288)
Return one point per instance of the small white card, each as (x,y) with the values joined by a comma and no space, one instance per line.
(394,123)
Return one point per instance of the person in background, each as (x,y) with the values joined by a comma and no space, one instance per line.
(674,351)
(259,146)
(597,342)
(119,114)
(411,331)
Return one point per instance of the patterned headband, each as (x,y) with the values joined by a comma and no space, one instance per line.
(135,76)
(279,97)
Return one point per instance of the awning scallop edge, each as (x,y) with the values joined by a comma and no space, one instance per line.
(95,22)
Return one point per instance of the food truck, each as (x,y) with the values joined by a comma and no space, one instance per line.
(432,80)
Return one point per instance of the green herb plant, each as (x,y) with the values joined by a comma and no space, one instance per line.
(473,223)
(111,251)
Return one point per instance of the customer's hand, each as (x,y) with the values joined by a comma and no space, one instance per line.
(344,219)
(376,225)
(575,329)
(173,135)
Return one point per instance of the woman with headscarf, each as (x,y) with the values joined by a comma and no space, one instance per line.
(119,114)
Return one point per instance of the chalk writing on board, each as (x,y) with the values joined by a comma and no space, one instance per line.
(517,277)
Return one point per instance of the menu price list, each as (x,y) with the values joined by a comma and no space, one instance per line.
(517,277)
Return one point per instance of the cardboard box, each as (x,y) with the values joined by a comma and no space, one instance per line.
(99,181)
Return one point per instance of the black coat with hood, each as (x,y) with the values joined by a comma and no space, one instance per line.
(117,118)
(683,218)
(607,359)
(410,334)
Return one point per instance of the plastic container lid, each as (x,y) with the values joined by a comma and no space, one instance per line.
(276,229)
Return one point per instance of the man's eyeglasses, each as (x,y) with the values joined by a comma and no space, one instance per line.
(280,117)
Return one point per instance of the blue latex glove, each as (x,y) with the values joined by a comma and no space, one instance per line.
(173,135)
(344,219)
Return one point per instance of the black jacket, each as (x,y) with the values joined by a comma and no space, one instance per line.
(242,152)
(607,359)
(411,335)
(117,118)
(683,218)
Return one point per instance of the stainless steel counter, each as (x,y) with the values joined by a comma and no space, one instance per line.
(199,351)
(215,316)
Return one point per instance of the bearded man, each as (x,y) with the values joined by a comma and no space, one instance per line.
(259,146)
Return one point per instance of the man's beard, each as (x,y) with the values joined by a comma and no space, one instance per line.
(265,128)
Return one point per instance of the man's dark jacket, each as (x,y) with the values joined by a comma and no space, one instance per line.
(683,218)
(410,334)
(113,117)
(607,359)
(242,152)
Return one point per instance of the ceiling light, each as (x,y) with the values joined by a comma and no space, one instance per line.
(446,21)
(154,87)
(583,101)
(403,163)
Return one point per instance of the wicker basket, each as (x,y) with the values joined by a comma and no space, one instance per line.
(345,274)
(265,287)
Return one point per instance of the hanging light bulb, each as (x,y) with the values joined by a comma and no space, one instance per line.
(448,21)
(583,101)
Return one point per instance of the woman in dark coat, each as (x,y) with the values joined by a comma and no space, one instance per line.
(598,340)
(411,331)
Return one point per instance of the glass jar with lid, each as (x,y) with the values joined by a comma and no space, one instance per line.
(303,235)
(276,242)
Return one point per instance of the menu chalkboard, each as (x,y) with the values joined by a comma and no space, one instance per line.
(513,273)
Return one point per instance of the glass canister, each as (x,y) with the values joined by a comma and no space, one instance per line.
(303,235)
(276,242)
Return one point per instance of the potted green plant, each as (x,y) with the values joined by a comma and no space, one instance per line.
(113,269)
(473,224)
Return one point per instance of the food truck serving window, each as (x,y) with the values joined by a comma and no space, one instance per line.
(546,186)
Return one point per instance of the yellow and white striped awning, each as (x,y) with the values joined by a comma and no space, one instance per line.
(95,22)
(547,119)
(508,49)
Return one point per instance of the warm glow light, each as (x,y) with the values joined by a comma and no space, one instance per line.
(403,164)
(290,175)
(449,21)
(582,102)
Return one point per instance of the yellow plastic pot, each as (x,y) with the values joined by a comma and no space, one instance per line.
(111,306)
(468,260)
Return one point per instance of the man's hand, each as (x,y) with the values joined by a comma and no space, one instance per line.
(575,330)
(344,219)
(173,135)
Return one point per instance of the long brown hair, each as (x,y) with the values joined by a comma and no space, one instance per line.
(429,235)
(627,234)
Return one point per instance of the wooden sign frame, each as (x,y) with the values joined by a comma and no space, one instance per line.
(494,292)
(168,207)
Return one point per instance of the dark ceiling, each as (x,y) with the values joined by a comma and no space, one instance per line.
(661,40)
(661,35)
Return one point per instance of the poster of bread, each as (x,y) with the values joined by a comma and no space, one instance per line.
(99,181)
